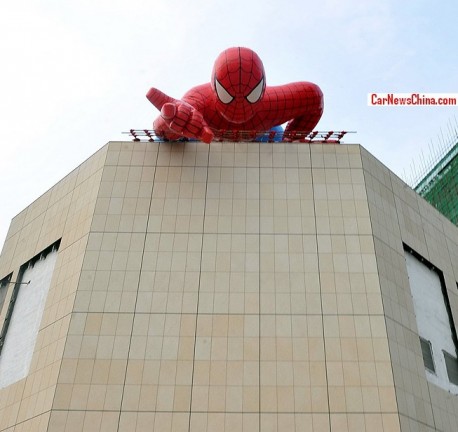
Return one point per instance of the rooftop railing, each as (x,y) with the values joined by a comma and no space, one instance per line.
(330,137)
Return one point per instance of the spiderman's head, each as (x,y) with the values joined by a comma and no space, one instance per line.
(239,82)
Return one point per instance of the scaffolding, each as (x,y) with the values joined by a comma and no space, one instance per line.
(440,185)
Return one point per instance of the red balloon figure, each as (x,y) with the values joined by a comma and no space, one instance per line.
(237,99)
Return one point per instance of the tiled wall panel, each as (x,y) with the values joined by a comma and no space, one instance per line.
(229,287)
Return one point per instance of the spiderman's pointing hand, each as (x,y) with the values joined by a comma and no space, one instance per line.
(179,117)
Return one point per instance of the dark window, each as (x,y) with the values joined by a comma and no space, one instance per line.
(4,289)
(452,367)
(427,351)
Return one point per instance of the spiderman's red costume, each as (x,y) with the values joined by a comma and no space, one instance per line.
(237,99)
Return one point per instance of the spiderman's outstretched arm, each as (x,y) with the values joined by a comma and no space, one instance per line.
(300,104)
(311,96)
(178,118)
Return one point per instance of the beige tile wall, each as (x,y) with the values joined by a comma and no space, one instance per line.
(230,287)
(399,215)
(65,211)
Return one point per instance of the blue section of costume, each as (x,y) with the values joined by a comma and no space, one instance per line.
(274,135)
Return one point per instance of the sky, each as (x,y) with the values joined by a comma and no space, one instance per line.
(74,74)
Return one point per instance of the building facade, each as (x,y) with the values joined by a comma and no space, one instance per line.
(229,287)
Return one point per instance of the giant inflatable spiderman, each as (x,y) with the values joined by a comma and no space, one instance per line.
(237,99)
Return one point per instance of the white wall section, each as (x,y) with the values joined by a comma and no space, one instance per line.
(432,317)
(20,340)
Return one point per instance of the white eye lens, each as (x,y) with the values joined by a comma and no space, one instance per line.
(256,92)
(222,93)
